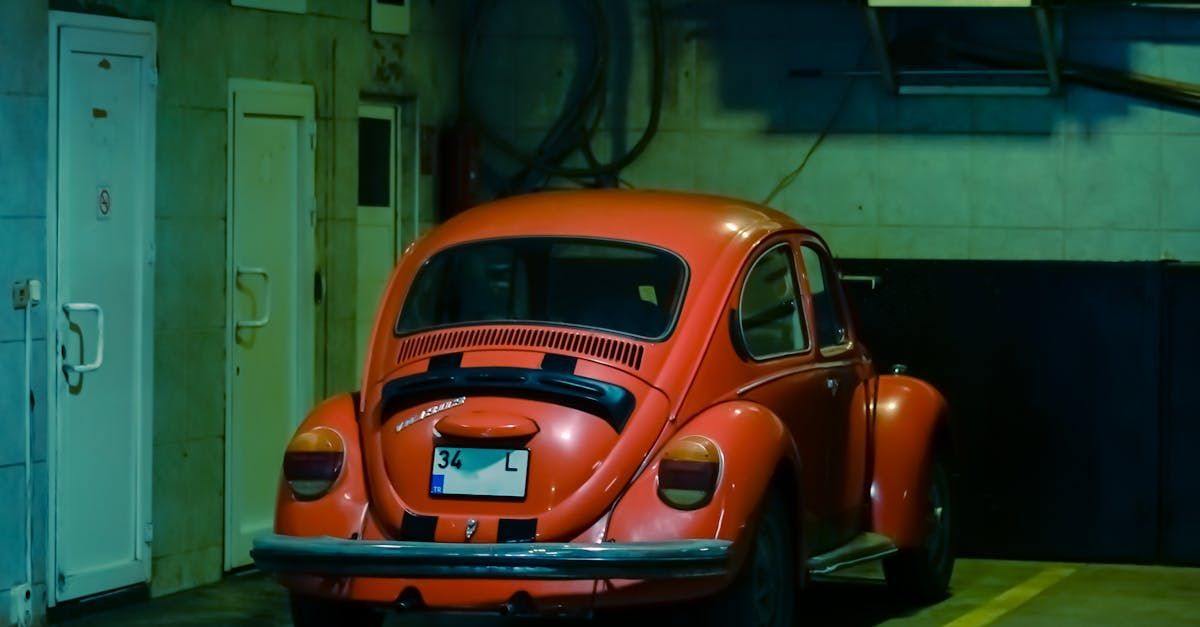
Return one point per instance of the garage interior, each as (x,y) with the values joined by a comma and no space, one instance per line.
(1017,179)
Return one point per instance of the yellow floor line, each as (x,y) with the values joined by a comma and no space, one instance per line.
(1012,598)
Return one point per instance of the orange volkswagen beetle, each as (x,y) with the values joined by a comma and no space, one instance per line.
(581,401)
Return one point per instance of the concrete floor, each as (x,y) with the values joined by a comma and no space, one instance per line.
(985,592)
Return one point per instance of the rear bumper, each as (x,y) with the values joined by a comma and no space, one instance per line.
(334,557)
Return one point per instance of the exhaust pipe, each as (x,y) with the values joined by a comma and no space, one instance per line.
(519,604)
(410,600)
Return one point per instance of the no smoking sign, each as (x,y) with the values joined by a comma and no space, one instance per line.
(103,202)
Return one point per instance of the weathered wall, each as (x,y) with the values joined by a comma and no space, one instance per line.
(1084,176)
(23,86)
(201,44)
(1073,407)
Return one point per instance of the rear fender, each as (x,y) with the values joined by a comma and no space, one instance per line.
(339,513)
(752,441)
(911,419)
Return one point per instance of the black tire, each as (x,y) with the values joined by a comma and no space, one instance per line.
(312,612)
(923,574)
(764,592)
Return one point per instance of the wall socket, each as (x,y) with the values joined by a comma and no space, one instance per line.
(26,293)
(20,605)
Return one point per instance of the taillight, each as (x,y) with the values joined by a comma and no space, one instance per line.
(687,473)
(312,462)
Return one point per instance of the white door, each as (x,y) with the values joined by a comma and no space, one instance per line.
(271,316)
(375,231)
(102,106)
(387,205)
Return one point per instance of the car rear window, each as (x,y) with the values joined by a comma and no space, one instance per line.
(615,286)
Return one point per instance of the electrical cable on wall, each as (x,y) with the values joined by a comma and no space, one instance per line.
(791,176)
(576,127)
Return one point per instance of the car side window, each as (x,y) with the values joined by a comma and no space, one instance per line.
(827,311)
(770,317)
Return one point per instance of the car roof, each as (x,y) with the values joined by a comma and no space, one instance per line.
(690,224)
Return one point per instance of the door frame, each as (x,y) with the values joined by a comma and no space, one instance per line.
(404,113)
(406,135)
(146,180)
(307,253)
(391,113)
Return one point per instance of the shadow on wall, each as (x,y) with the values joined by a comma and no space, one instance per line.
(788,61)
(791,60)
(1055,367)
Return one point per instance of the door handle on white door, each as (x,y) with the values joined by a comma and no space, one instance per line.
(88,367)
(260,322)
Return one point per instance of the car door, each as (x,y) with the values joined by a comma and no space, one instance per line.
(771,329)
(842,366)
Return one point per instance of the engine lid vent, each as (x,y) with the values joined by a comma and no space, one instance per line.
(608,349)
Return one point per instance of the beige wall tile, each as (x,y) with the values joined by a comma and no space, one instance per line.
(192,70)
(189,398)
(341,267)
(1112,181)
(995,243)
(169,500)
(839,185)
(850,242)
(1182,246)
(341,358)
(191,170)
(1181,182)
(899,242)
(669,161)
(189,275)
(1101,112)
(172,573)
(1017,181)
(745,165)
(1112,245)
(924,180)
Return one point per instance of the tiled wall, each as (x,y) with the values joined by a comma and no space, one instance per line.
(1084,176)
(23,29)
(201,44)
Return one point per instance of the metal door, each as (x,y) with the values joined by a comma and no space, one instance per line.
(270,324)
(101,255)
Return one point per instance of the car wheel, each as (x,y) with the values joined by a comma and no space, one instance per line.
(313,612)
(923,573)
(764,592)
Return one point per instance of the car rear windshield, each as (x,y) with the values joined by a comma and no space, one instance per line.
(614,286)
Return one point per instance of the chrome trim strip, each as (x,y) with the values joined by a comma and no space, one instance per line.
(328,556)
(775,376)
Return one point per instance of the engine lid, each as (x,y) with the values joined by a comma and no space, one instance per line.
(473,451)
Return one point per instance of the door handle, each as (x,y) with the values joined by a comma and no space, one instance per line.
(260,322)
(87,367)
(832,383)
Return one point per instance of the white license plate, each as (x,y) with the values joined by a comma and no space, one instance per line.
(479,472)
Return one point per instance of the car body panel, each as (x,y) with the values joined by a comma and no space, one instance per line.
(850,447)
(342,512)
(753,444)
(910,417)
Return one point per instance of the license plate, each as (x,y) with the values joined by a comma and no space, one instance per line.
(479,472)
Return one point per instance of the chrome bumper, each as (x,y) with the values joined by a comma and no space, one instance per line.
(336,557)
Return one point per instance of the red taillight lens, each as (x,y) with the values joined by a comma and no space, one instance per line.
(688,471)
(313,461)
